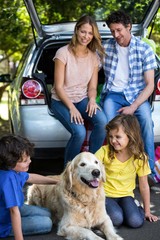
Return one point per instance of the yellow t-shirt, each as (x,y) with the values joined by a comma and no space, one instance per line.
(121,176)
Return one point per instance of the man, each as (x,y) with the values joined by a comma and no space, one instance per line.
(129,78)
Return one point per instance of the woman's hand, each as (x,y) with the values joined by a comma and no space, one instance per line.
(76,116)
(92,107)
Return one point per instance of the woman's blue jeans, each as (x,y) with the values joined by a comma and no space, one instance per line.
(78,131)
(125,211)
(114,101)
(35,220)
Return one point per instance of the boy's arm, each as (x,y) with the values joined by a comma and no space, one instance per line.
(39,179)
(16,223)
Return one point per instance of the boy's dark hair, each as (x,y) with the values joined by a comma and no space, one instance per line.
(12,148)
(119,17)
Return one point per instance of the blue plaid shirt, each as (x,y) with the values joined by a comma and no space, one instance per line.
(141,59)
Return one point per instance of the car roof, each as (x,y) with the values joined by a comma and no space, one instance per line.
(64,30)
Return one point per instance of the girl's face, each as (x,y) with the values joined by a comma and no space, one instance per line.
(118,139)
(23,165)
(85,34)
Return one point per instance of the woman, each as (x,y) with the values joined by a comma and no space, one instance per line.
(75,87)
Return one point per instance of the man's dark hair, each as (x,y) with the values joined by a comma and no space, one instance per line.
(12,148)
(119,17)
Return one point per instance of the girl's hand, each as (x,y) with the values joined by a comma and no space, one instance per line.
(92,108)
(151,217)
(76,116)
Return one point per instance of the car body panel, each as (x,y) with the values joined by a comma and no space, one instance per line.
(50,133)
(156,120)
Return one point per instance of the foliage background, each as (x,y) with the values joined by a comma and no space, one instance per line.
(15,26)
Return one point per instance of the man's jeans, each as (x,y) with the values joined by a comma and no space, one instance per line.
(78,131)
(35,220)
(116,100)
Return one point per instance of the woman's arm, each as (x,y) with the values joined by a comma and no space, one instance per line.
(92,94)
(16,223)
(145,193)
(59,76)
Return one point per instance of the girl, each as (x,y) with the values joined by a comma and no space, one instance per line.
(16,218)
(75,88)
(124,159)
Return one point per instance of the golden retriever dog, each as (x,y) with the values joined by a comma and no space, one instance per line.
(77,201)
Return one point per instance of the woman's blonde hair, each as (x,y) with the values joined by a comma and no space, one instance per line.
(131,128)
(95,44)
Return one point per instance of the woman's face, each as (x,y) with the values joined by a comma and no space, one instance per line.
(85,34)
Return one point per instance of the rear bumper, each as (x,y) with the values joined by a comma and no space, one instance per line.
(35,123)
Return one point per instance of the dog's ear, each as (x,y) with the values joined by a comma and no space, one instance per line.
(67,175)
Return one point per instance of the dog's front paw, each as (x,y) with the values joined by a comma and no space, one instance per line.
(117,238)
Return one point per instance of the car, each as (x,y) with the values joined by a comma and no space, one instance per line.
(29,94)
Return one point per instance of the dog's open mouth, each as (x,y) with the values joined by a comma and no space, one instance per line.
(93,183)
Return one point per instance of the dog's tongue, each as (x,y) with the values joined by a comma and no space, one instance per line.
(94,183)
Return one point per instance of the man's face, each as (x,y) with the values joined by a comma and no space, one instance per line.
(121,33)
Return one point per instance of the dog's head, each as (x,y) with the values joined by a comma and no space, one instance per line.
(85,168)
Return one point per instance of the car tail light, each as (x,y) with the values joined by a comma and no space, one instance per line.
(157,94)
(32,93)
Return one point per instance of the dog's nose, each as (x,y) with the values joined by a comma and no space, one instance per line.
(96,173)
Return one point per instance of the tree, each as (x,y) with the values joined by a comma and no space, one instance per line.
(15,32)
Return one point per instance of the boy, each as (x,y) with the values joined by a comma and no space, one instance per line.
(16,218)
